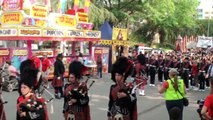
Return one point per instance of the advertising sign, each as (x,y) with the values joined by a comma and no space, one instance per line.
(74,33)
(29,32)
(12,18)
(119,34)
(82,17)
(20,52)
(39,11)
(12,4)
(92,34)
(4,52)
(65,20)
(8,32)
(53,33)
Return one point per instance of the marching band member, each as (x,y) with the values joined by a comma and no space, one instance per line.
(58,80)
(152,69)
(140,76)
(167,66)
(76,100)
(186,68)
(29,106)
(122,101)
(160,68)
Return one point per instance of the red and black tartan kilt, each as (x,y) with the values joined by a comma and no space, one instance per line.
(58,82)
(141,79)
(2,112)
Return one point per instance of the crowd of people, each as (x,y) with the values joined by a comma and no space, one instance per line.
(174,74)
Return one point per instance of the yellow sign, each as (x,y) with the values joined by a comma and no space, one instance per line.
(39,11)
(82,17)
(12,18)
(119,34)
(20,52)
(65,20)
(30,32)
(4,52)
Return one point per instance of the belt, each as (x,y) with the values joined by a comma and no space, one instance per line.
(202,71)
(185,69)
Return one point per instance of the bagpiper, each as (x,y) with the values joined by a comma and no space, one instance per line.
(76,100)
(160,68)
(29,105)
(152,69)
(140,73)
(122,99)
(168,65)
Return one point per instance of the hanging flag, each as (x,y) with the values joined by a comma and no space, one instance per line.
(76,5)
(86,5)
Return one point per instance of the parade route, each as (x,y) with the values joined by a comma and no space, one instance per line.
(150,107)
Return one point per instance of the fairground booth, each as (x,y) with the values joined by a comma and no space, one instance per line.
(35,30)
(113,43)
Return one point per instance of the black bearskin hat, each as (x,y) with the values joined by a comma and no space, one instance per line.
(76,68)
(122,66)
(141,59)
(29,78)
(29,74)
(26,64)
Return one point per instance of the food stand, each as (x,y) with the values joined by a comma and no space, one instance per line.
(62,33)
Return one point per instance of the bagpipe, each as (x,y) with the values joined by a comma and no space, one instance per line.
(116,112)
(34,106)
(81,91)
(77,93)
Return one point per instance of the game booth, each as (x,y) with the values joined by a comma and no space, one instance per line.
(40,32)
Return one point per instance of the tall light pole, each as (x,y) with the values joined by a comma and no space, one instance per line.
(208,27)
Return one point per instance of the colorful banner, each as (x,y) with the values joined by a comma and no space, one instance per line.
(20,52)
(53,33)
(92,34)
(119,34)
(30,22)
(76,5)
(4,52)
(30,32)
(87,26)
(74,33)
(39,11)
(12,4)
(8,32)
(82,17)
(65,20)
(12,18)
(86,5)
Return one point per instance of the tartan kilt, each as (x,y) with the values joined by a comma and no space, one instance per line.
(58,82)
(84,115)
(141,79)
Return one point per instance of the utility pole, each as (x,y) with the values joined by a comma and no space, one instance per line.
(208,27)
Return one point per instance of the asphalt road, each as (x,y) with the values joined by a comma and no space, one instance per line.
(150,107)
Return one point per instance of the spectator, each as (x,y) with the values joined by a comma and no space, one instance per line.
(80,58)
(172,96)
(58,80)
(207,110)
(36,61)
(99,66)
(45,69)
(174,113)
